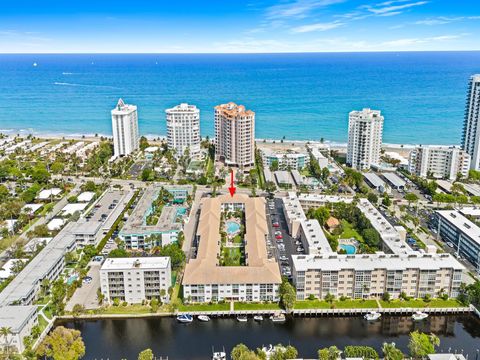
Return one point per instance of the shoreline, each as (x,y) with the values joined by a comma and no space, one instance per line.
(159,137)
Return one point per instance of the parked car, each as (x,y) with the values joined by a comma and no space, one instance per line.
(279,237)
(276,224)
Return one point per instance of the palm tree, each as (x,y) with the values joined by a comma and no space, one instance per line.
(5,332)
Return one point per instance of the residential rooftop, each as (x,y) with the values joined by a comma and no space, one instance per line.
(156,262)
(369,262)
(205,268)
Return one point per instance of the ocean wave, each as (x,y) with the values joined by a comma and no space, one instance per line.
(67,73)
(59,83)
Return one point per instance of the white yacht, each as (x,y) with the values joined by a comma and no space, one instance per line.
(278,318)
(372,316)
(242,318)
(418,315)
(258,318)
(203,318)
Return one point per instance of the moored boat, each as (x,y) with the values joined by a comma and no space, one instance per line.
(203,318)
(372,316)
(278,318)
(258,318)
(219,355)
(185,318)
(242,318)
(418,315)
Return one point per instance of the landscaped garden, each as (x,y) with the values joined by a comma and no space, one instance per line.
(164,196)
(346,221)
(232,232)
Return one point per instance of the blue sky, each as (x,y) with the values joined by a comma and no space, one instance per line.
(183,26)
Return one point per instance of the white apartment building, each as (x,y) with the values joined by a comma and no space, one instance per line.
(136,279)
(365,131)
(235,135)
(441,162)
(126,137)
(183,129)
(285,160)
(471,128)
(371,275)
(20,320)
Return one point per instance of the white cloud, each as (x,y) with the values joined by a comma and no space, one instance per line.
(317,27)
(415,41)
(440,20)
(298,8)
(379,9)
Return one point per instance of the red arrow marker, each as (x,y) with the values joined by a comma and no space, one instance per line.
(232,187)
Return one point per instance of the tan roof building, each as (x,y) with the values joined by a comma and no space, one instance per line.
(205,268)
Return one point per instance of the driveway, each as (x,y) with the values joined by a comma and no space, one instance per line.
(87,294)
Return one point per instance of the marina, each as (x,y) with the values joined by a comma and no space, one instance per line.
(125,338)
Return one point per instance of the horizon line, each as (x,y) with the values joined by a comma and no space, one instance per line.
(238,53)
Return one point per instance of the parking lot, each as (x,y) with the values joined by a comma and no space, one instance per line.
(284,247)
(87,294)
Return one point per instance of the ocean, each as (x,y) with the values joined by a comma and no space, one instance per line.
(299,96)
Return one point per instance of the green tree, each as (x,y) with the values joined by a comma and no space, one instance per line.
(118,253)
(390,352)
(176,254)
(154,305)
(365,352)
(62,344)
(421,344)
(411,197)
(386,201)
(242,352)
(5,333)
(146,354)
(330,353)
(143,143)
(329,298)
(373,198)
(287,294)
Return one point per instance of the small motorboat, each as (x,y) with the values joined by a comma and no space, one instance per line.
(203,318)
(242,318)
(418,315)
(372,316)
(278,318)
(219,355)
(258,318)
(185,318)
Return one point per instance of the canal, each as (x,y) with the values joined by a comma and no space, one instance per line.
(125,338)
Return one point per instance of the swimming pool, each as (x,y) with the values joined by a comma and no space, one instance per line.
(72,279)
(349,249)
(232,227)
(181,211)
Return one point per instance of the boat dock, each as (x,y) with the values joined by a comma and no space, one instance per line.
(333,312)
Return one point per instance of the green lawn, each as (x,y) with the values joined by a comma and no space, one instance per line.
(205,307)
(420,303)
(232,256)
(337,304)
(42,323)
(349,232)
(256,306)
(129,309)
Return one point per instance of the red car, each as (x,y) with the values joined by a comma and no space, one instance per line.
(278,237)
(276,224)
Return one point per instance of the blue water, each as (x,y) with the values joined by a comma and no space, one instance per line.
(181,211)
(300,96)
(349,249)
(232,227)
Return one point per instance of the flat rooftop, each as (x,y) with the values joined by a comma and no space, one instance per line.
(394,179)
(468,227)
(28,279)
(15,317)
(374,180)
(368,262)
(156,262)
(205,268)
(136,222)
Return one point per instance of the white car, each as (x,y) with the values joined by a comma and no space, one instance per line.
(450,244)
